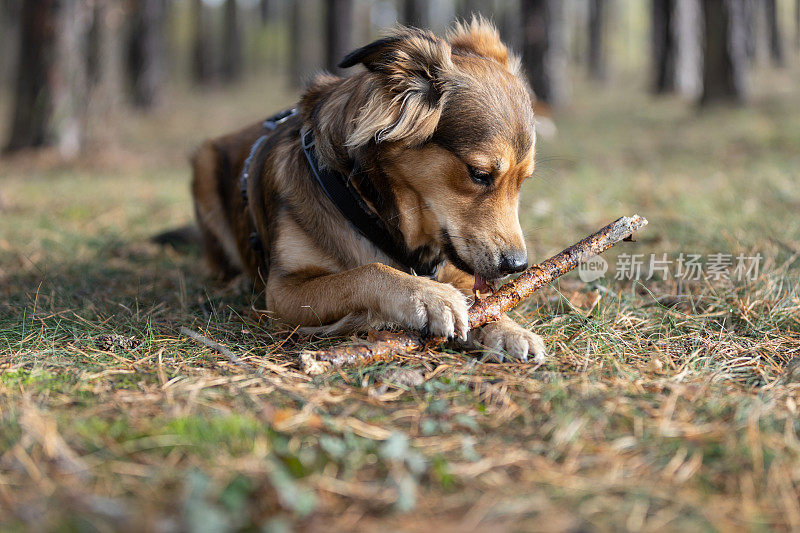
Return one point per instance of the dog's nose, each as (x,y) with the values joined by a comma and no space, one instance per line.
(513,261)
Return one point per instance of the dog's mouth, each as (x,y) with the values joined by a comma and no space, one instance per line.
(482,284)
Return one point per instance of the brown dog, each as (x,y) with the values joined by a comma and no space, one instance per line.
(415,161)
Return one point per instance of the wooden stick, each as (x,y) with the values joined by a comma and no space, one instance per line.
(383,345)
(236,360)
(511,294)
(232,357)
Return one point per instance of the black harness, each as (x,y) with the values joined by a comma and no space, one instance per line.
(340,191)
(269,125)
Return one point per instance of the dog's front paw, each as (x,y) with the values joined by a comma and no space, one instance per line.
(429,306)
(507,337)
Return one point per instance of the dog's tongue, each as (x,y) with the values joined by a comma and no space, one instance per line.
(481,285)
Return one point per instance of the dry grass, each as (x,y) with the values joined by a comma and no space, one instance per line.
(654,412)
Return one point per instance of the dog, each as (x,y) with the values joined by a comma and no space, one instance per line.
(386,197)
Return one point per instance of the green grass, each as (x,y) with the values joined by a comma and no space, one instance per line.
(645,417)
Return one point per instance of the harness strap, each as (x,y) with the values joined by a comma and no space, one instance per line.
(339,190)
(270,124)
(256,241)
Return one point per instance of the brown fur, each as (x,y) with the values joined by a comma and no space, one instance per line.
(421,111)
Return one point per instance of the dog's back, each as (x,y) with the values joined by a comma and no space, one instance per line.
(219,205)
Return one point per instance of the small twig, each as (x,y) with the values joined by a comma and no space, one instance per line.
(236,360)
(214,345)
(386,345)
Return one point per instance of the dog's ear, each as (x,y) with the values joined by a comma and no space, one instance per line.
(370,54)
(480,37)
(409,81)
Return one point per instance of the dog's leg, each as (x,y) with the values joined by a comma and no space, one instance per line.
(382,293)
(502,336)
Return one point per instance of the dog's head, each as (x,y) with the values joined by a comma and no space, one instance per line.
(453,124)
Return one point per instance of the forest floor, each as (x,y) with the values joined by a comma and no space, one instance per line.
(664,404)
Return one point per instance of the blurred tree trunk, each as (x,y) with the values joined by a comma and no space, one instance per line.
(688,35)
(725,56)
(763,33)
(203,71)
(9,37)
(751,15)
(578,16)
(146,51)
(104,56)
(71,101)
(296,43)
(93,45)
(339,30)
(544,50)
(507,18)
(677,47)
(664,46)
(775,44)
(440,15)
(301,56)
(51,88)
(467,8)
(598,15)
(231,43)
(797,25)
(264,11)
(416,13)
(34,91)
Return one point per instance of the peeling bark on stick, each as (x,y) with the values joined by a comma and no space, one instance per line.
(383,345)
(380,346)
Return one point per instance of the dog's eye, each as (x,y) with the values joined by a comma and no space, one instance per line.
(479,176)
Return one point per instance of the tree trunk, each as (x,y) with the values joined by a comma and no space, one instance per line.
(598,13)
(416,13)
(264,11)
(71,95)
(797,25)
(775,43)
(751,37)
(507,18)
(688,34)
(302,58)
(146,50)
(441,14)
(725,56)
(664,46)
(34,91)
(9,38)
(339,22)
(231,43)
(104,62)
(677,47)
(203,72)
(51,88)
(544,50)
(468,8)
(93,45)
(295,43)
